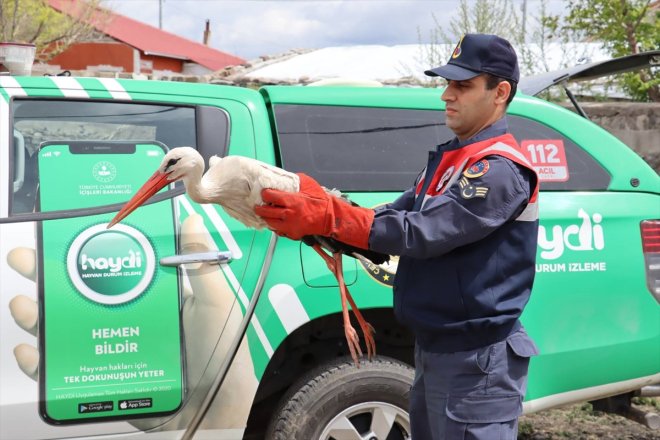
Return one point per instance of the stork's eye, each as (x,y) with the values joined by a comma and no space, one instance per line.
(170,163)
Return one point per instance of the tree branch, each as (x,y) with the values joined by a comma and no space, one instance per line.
(642,14)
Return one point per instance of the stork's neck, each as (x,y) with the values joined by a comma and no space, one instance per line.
(195,187)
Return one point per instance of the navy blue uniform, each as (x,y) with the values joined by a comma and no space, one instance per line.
(465,273)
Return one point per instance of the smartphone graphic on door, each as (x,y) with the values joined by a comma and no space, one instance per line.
(110,338)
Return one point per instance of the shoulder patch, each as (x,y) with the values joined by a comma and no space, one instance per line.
(477,169)
(469,190)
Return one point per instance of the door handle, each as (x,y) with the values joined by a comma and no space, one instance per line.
(213,257)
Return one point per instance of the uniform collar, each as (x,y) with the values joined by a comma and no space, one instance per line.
(497,128)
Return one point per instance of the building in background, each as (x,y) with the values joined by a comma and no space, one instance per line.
(121,44)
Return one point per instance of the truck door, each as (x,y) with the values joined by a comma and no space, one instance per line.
(602,306)
(90,364)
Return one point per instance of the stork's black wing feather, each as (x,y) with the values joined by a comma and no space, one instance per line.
(333,245)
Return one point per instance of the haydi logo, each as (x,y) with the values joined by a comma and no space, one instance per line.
(132,261)
(111,266)
(586,236)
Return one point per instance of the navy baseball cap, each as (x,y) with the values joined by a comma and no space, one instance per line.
(480,53)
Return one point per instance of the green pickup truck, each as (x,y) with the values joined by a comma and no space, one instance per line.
(184,322)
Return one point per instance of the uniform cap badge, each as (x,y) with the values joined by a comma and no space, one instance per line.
(458,50)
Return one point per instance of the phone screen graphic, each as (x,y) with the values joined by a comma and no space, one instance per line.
(110,334)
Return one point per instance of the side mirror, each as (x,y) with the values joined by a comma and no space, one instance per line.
(19,160)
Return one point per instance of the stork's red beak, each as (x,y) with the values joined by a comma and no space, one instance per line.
(150,187)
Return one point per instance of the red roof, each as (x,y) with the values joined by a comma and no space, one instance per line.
(148,39)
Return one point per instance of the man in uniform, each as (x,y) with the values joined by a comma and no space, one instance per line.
(466,236)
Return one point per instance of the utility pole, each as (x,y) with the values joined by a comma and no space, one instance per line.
(160,14)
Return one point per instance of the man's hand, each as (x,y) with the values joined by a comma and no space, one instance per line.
(313,211)
(294,215)
(210,320)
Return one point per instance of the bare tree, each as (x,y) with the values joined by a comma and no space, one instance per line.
(480,16)
(534,36)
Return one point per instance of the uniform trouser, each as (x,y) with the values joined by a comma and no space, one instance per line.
(471,395)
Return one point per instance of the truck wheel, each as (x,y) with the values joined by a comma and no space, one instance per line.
(341,401)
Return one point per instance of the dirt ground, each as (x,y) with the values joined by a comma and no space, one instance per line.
(581,422)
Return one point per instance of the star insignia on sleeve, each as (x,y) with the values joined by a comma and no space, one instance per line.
(469,190)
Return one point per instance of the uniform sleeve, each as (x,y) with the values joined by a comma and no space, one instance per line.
(467,212)
(404,202)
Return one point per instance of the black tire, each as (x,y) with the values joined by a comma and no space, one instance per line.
(340,392)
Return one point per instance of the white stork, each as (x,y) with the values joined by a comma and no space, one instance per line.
(235,183)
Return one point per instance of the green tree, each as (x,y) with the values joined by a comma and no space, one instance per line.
(625,27)
(36,22)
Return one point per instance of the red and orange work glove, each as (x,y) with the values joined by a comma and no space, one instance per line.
(312,211)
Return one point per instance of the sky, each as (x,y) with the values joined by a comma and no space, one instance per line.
(252,28)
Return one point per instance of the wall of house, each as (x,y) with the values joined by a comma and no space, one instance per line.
(82,56)
(115,55)
(154,63)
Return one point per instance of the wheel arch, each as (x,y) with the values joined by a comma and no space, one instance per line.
(315,343)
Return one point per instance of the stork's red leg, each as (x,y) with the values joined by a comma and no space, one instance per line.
(367,329)
(351,335)
(352,338)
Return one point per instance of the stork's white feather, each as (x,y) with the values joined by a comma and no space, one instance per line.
(234,182)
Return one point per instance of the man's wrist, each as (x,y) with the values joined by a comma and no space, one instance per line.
(351,224)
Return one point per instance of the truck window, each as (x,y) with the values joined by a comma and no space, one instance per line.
(582,171)
(377,149)
(38,121)
(358,148)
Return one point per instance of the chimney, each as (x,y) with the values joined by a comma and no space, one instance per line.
(207,33)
